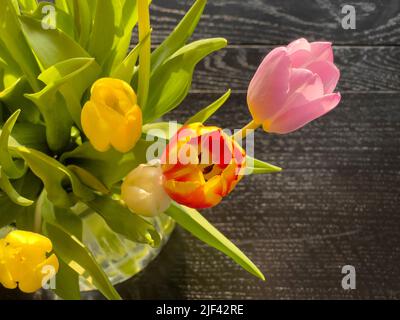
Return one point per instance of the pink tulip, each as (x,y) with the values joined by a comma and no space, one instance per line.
(293,86)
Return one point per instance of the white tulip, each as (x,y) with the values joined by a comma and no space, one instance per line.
(143,191)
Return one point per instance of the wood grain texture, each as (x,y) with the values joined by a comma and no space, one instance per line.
(336,203)
(278,22)
(364,69)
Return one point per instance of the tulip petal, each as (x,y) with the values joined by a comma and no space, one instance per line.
(120,131)
(114,92)
(33,247)
(23,238)
(189,193)
(129,132)
(109,115)
(268,89)
(317,51)
(143,203)
(301,58)
(299,44)
(322,51)
(298,117)
(32,279)
(203,185)
(6,278)
(23,259)
(95,128)
(302,54)
(143,191)
(299,77)
(307,87)
(231,177)
(213,191)
(112,117)
(328,73)
(182,189)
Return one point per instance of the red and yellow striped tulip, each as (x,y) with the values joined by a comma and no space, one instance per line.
(201,166)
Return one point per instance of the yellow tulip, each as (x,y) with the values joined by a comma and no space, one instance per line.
(24,262)
(112,117)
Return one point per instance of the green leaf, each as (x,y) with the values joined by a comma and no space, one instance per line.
(124,33)
(88,179)
(64,21)
(196,224)
(55,177)
(67,281)
(10,191)
(121,220)
(75,254)
(61,216)
(106,19)
(50,46)
(9,168)
(172,81)
(10,66)
(260,167)
(28,5)
(63,5)
(209,111)
(145,53)
(15,43)
(66,82)
(179,36)
(13,97)
(8,210)
(72,78)
(109,167)
(29,186)
(126,69)
(52,106)
(82,12)
(29,135)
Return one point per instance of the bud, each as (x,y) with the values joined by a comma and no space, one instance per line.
(143,191)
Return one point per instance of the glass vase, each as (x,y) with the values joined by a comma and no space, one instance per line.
(120,258)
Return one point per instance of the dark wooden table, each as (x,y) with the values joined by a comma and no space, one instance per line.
(337,202)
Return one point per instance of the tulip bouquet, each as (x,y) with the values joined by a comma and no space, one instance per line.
(80,130)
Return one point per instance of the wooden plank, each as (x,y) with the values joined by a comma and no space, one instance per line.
(278,22)
(364,69)
(336,203)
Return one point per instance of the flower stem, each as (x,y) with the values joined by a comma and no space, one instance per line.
(240,135)
(145,52)
(37,226)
